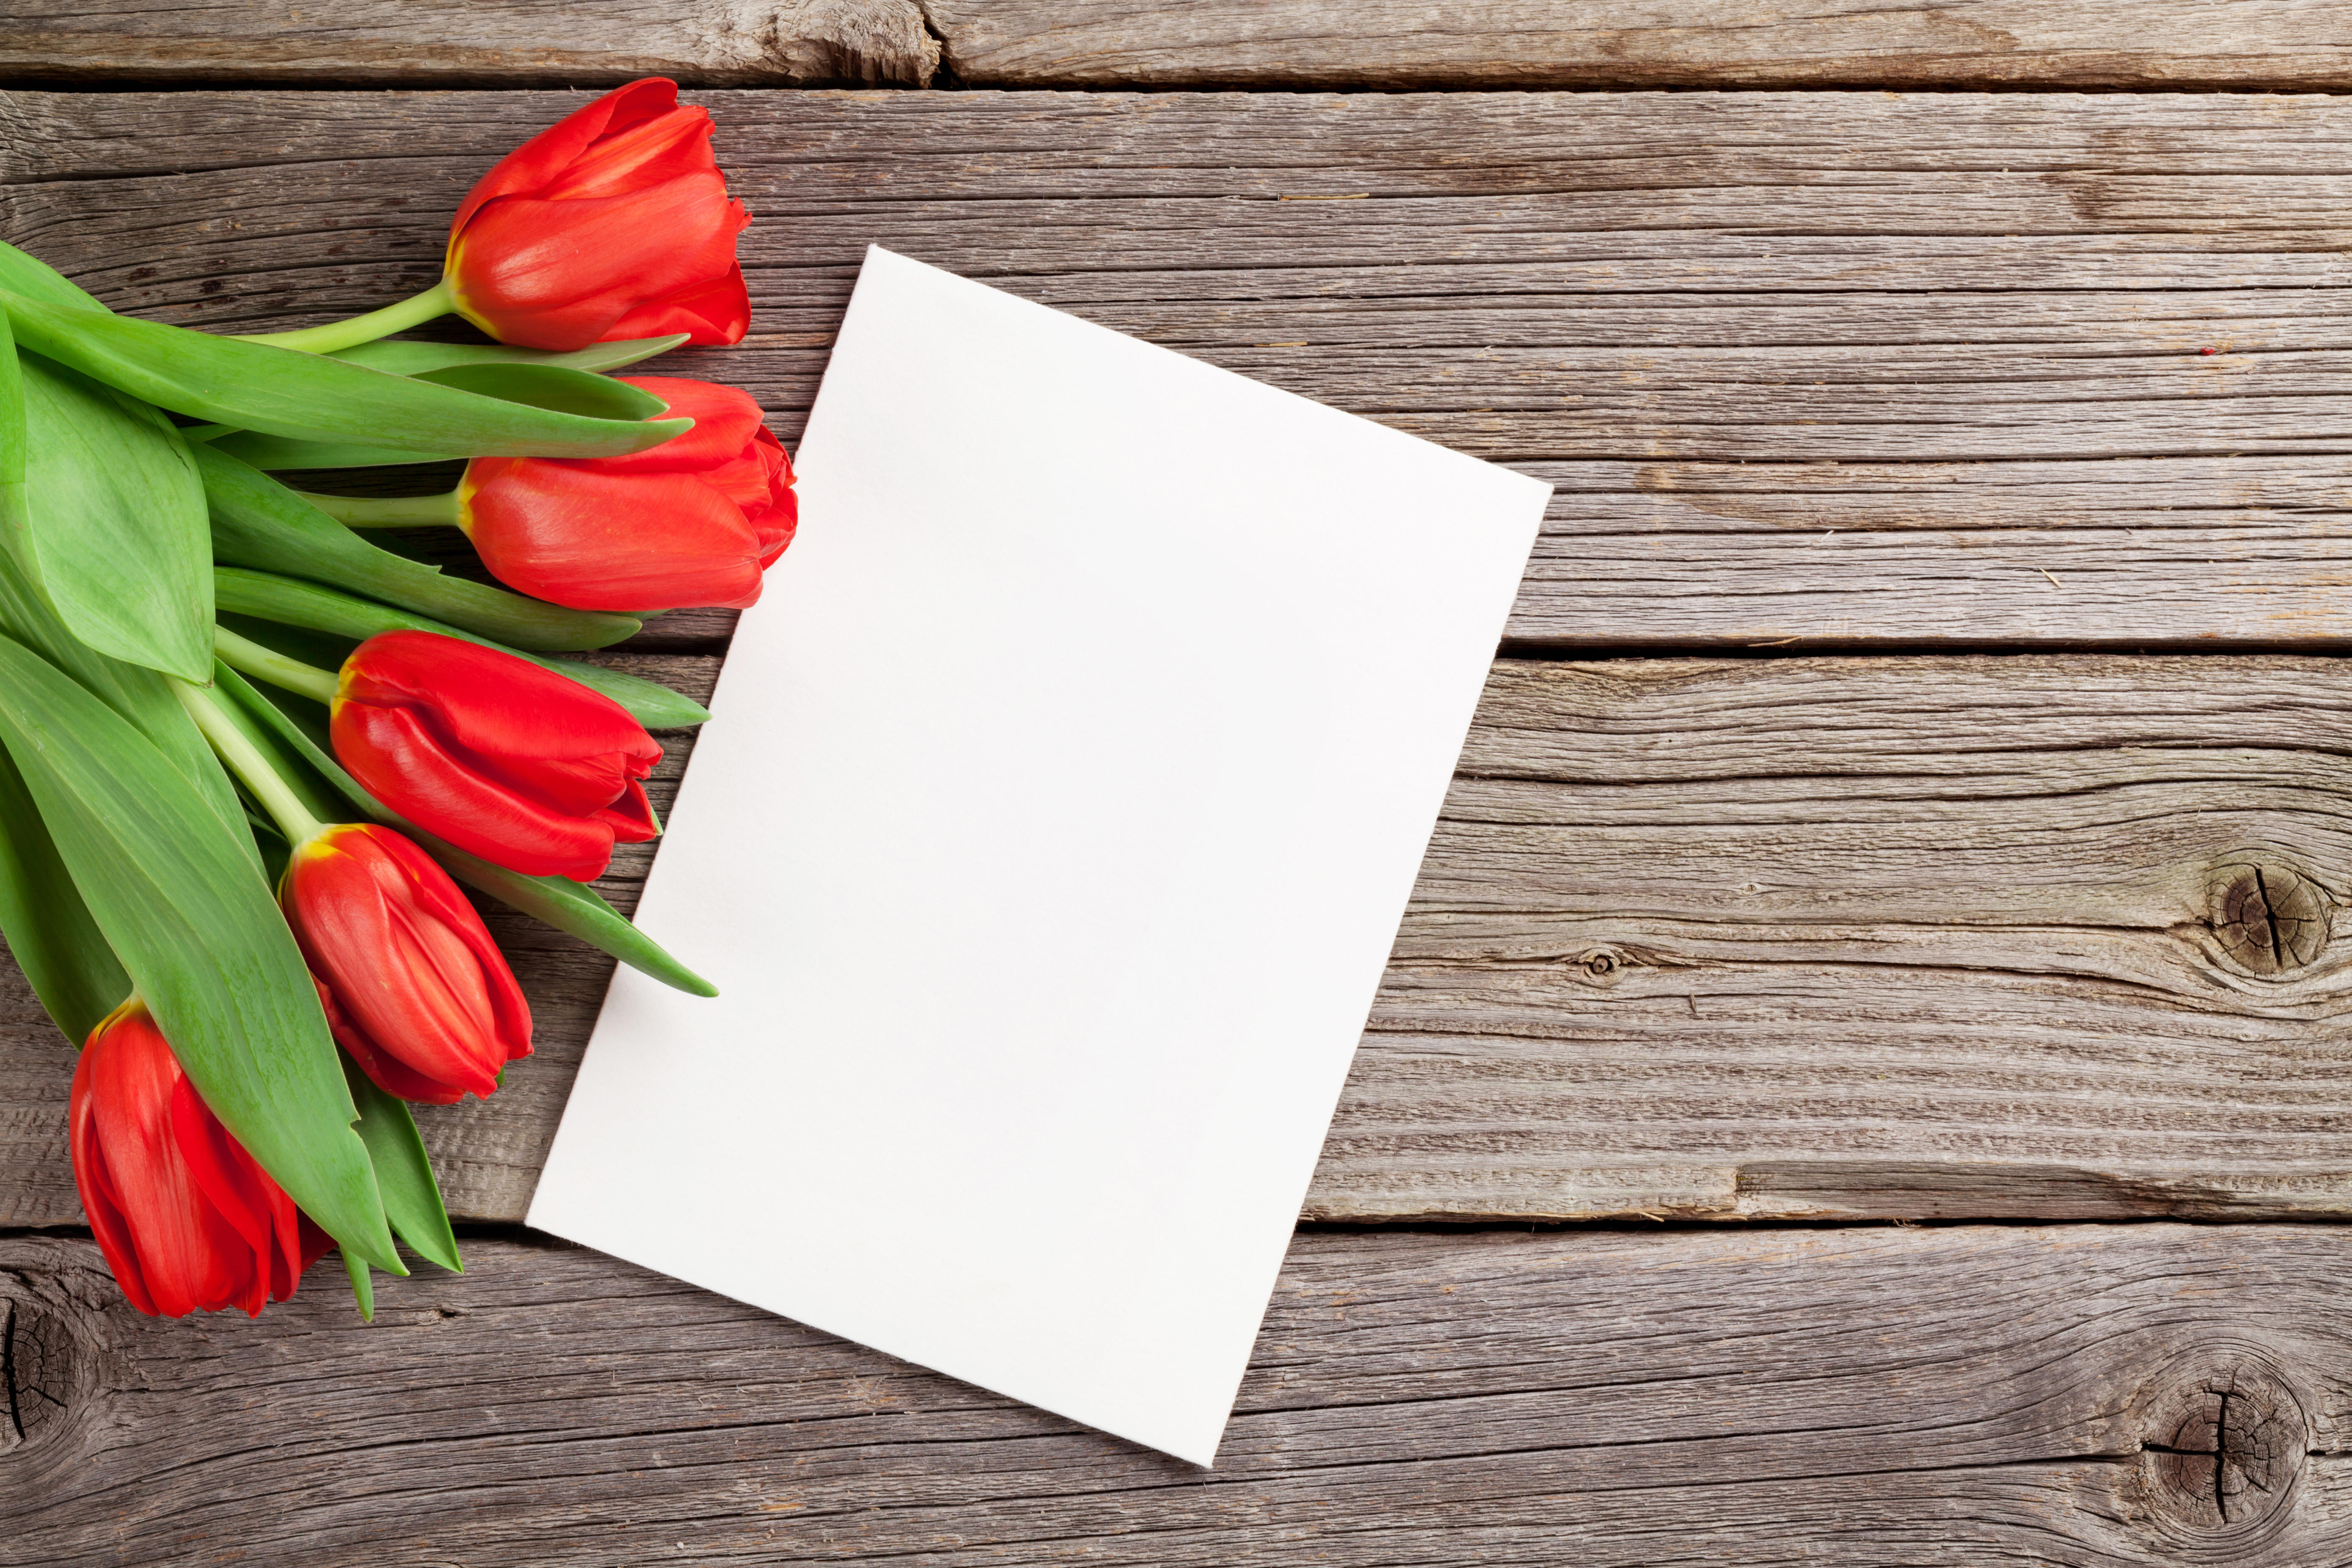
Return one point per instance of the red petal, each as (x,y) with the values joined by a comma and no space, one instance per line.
(392,753)
(716,312)
(188,1257)
(776,527)
(561,275)
(726,422)
(631,817)
(577,536)
(99,1205)
(435,892)
(414,986)
(227,1176)
(386,1070)
(622,161)
(495,704)
(541,160)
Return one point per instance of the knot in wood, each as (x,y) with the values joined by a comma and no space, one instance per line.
(39,1374)
(2225,1450)
(2270,918)
(1601,966)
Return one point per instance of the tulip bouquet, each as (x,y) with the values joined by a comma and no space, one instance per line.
(247,755)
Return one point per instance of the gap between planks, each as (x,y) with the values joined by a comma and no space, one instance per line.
(2115,1396)
(1855,996)
(1254,44)
(1905,371)
(2030,938)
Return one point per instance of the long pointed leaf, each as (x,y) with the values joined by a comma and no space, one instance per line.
(363,1290)
(293,603)
(560,387)
(284,391)
(138,694)
(406,359)
(411,1198)
(184,908)
(114,526)
(559,901)
(555,387)
(259,522)
(36,279)
(49,929)
(277,455)
(14,456)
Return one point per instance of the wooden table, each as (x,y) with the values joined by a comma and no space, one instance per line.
(1863,1080)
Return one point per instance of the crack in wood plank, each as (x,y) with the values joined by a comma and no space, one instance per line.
(1940,1396)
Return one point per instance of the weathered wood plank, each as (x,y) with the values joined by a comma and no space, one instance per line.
(2104,1397)
(2237,44)
(1964,333)
(383,43)
(1741,939)
(1894,937)
(1642,43)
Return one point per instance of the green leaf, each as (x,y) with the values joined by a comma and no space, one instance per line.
(297,603)
(576,910)
(363,1291)
(12,455)
(48,927)
(113,527)
(280,455)
(182,902)
(36,279)
(25,614)
(284,391)
(550,387)
(541,386)
(406,359)
(412,1199)
(138,694)
(559,901)
(259,523)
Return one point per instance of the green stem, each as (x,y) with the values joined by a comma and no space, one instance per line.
(354,330)
(387,511)
(245,759)
(250,658)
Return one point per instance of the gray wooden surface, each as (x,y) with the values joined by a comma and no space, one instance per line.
(2240,43)
(1855,370)
(2043,928)
(2046,937)
(2087,1396)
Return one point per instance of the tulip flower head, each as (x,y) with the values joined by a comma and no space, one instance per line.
(612,223)
(187,1220)
(412,984)
(522,767)
(695,520)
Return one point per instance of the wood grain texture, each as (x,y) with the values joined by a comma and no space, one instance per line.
(2098,1397)
(546,43)
(1644,43)
(2293,44)
(2030,937)
(1831,371)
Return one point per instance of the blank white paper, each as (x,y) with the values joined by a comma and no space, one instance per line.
(1063,794)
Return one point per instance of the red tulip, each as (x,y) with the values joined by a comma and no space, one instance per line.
(519,765)
(612,223)
(186,1219)
(412,984)
(692,521)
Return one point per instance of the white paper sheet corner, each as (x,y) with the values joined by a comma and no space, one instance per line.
(1047,845)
